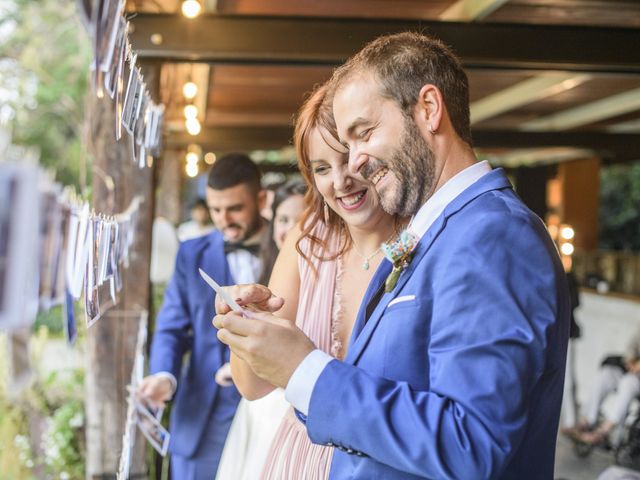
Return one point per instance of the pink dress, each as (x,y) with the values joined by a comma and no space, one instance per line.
(292,456)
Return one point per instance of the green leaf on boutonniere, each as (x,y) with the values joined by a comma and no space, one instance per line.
(392,279)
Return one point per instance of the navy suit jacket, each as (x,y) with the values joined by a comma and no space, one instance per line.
(462,377)
(184,326)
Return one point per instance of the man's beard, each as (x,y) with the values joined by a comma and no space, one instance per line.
(413,165)
(253,228)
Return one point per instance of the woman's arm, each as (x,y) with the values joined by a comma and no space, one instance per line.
(284,283)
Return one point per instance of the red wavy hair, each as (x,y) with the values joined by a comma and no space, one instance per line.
(316,113)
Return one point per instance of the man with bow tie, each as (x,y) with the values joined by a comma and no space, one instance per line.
(202,410)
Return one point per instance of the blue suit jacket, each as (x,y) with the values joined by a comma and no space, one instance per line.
(184,326)
(464,381)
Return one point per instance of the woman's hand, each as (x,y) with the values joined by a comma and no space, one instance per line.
(254,296)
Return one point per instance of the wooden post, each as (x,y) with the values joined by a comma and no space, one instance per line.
(111,341)
(168,195)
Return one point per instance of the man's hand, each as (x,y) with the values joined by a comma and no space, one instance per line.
(155,390)
(273,347)
(254,295)
(633,366)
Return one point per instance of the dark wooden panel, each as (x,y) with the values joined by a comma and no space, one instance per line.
(483,83)
(322,41)
(613,13)
(620,13)
(266,88)
(418,9)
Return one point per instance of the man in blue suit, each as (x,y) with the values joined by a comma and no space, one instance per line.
(202,410)
(455,369)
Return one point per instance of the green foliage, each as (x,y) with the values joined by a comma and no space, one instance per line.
(45,63)
(52,320)
(620,207)
(63,438)
(53,407)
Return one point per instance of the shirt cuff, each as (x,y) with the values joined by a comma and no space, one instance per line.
(171,378)
(304,378)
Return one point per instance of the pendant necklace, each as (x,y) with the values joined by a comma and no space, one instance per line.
(365,264)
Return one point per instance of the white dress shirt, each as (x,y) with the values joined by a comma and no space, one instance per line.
(304,378)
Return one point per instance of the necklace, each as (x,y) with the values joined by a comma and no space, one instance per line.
(365,264)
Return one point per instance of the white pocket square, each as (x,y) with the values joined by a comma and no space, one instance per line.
(405,298)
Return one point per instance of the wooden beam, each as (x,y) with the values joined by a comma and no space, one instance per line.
(523,93)
(528,157)
(611,146)
(329,41)
(622,146)
(225,139)
(585,114)
(631,126)
(470,10)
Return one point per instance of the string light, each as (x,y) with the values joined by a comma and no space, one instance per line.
(193,126)
(192,169)
(210,158)
(567,233)
(191,8)
(192,158)
(190,111)
(190,90)
(566,248)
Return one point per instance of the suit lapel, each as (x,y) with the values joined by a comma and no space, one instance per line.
(376,283)
(214,261)
(359,343)
(363,329)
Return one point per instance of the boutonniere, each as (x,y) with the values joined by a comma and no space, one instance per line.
(399,253)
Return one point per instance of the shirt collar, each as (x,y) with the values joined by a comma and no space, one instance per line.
(435,205)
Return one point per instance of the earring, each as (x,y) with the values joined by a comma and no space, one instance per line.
(325,210)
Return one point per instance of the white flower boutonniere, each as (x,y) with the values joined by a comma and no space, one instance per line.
(399,253)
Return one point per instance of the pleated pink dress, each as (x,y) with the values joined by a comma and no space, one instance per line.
(292,456)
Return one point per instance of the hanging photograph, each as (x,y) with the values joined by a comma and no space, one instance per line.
(123,69)
(111,74)
(19,253)
(7,193)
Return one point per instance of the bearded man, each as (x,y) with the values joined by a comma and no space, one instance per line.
(456,363)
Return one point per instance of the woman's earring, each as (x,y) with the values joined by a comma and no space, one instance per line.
(325,210)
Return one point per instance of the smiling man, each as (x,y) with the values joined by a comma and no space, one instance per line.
(455,371)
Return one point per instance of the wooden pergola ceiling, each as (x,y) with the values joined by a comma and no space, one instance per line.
(543,73)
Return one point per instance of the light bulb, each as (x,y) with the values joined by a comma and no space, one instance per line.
(567,233)
(210,158)
(566,249)
(190,90)
(190,111)
(192,169)
(192,157)
(193,126)
(191,8)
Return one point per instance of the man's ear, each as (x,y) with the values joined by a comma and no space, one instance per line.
(262,199)
(429,108)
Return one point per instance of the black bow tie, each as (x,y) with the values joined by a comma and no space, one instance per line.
(234,247)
